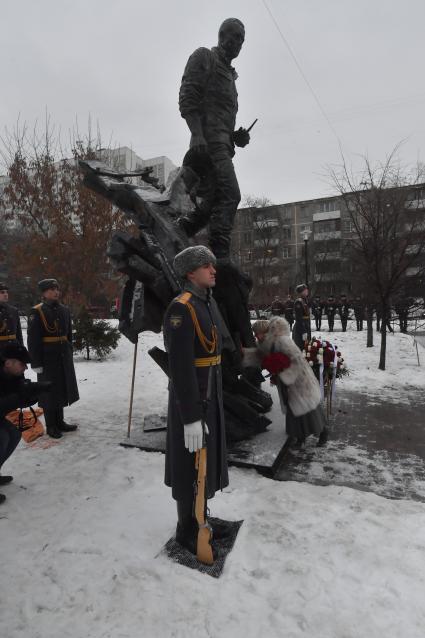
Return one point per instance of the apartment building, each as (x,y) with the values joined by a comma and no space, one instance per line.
(286,244)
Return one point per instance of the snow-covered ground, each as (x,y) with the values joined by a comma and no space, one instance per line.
(85,519)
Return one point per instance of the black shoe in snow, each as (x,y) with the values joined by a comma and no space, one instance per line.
(4,480)
(67,427)
(323,438)
(54,434)
(2,498)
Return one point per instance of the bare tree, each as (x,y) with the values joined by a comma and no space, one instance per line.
(386,208)
(61,228)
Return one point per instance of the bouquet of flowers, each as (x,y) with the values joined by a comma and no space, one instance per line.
(321,352)
(275,362)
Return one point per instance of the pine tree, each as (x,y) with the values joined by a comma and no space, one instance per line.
(94,335)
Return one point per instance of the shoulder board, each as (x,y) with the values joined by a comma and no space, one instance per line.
(184,298)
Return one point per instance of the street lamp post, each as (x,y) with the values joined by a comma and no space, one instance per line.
(305,234)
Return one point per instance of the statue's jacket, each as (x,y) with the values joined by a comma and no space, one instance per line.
(193,343)
(50,348)
(208,88)
(10,325)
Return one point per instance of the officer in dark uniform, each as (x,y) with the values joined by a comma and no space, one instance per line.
(402,310)
(302,327)
(331,308)
(359,312)
(208,102)
(277,307)
(289,310)
(343,311)
(317,310)
(50,348)
(10,324)
(193,342)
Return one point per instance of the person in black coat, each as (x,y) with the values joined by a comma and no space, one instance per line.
(317,310)
(193,342)
(277,307)
(15,392)
(10,324)
(359,313)
(344,311)
(302,327)
(50,348)
(289,310)
(331,308)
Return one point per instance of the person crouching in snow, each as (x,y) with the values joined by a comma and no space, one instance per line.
(299,390)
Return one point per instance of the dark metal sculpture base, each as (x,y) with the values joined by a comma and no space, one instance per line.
(264,452)
(221,549)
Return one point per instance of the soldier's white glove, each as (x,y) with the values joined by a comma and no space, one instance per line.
(38,370)
(305,335)
(193,435)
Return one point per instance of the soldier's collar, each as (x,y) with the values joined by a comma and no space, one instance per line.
(202,293)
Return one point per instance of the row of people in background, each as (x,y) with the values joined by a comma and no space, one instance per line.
(342,308)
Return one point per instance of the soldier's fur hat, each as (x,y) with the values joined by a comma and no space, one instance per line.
(14,351)
(301,288)
(192,258)
(3,286)
(46,284)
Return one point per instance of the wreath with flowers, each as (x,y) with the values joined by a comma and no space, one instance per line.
(328,364)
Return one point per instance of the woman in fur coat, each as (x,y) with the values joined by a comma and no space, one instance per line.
(299,390)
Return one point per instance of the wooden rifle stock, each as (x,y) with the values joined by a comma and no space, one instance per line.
(203,546)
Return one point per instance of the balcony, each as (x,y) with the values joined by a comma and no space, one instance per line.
(415,204)
(266,242)
(266,223)
(332,234)
(327,256)
(323,217)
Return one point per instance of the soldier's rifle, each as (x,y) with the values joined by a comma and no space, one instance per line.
(203,546)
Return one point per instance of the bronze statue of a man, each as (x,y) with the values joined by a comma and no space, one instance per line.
(208,102)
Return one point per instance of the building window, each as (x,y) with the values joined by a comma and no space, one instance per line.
(247,238)
(286,252)
(327,207)
(286,232)
(305,227)
(348,226)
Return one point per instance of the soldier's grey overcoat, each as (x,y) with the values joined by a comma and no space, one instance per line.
(188,393)
(50,348)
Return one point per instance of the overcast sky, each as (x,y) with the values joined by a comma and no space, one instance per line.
(121,62)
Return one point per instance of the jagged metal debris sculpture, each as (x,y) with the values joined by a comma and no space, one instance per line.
(148,257)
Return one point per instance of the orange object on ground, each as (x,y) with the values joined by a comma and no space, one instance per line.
(33,429)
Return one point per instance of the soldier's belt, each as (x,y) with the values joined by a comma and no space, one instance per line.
(306,317)
(54,339)
(206,362)
(7,337)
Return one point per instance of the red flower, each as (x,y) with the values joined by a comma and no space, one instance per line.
(276,362)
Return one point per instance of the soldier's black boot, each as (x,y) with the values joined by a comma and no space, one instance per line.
(50,416)
(187,526)
(2,498)
(62,426)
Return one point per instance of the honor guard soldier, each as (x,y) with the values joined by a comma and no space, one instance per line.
(50,348)
(195,409)
(302,328)
(359,313)
(277,307)
(317,310)
(331,308)
(10,324)
(289,310)
(344,311)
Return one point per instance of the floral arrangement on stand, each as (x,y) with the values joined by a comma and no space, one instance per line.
(328,365)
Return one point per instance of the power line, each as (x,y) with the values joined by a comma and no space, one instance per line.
(303,75)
